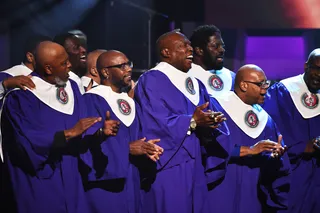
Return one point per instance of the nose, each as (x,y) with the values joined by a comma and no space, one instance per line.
(190,48)
(69,65)
(82,49)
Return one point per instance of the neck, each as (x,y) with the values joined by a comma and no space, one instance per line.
(114,88)
(198,61)
(242,96)
(306,82)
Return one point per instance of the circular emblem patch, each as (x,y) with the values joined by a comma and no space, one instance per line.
(62,95)
(124,107)
(310,101)
(251,119)
(189,86)
(215,83)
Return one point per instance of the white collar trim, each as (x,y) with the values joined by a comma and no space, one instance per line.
(47,93)
(76,78)
(182,81)
(20,69)
(86,81)
(299,92)
(217,82)
(242,114)
(118,102)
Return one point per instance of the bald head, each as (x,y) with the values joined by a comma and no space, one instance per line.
(110,58)
(251,84)
(247,72)
(166,40)
(47,52)
(52,63)
(93,57)
(313,55)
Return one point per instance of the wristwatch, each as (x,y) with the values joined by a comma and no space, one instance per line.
(193,124)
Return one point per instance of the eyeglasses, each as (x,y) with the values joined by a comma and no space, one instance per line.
(263,84)
(122,66)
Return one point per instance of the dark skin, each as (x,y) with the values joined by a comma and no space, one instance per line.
(212,55)
(175,49)
(119,78)
(92,71)
(252,94)
(312,71)
(77,55)
(312,80)
(52,63)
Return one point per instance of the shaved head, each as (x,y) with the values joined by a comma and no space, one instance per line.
(312,71)
(52,62)
(93,57)
(175,49)
(47,52)
(115,70)
(248,71)
(313,55)
(251,84)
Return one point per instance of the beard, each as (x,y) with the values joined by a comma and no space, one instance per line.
(211,62)
(60,82)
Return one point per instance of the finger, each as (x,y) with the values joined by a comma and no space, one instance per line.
(279,139)
(153,141)
(107,115)
(203,106)
(28,83)
(143,139)
(159,148)
(151,157)
(268,143)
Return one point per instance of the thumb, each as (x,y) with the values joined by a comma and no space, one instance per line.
(203,106)
(279,139)
(143,139)
(107,115)
(29,76)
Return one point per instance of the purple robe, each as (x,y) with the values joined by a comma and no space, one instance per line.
(297,131)
(252,183)
(111,182)
(176,183)
(44,177)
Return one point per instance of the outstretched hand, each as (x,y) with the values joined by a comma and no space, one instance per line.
(110,127)
(81,126)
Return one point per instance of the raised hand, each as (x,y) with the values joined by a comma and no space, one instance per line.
(208,118)
(19,81)
(81,126)
(110,127)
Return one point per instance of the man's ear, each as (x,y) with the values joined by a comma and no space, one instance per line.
(30,57)
(48,69)
(105,73)
(243,86)
(94,72)
(198,51)
(165,53)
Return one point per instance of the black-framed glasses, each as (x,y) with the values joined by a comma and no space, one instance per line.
(263,84)
(122,66)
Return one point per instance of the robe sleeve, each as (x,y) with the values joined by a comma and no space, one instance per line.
(3,76)
(160,115)
(275,182)
(30,142)
(279,106)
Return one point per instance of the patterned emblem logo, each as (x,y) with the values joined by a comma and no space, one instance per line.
(62,95)
(189,86)
(310,101)
(251,119)
(215,83)
(124,107)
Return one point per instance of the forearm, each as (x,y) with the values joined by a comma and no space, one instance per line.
(245,151)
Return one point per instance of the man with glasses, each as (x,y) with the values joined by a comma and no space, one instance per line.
(294,105)
(257,174)
(111,182)
(208,58)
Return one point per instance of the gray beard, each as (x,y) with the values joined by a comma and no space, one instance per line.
(59,82)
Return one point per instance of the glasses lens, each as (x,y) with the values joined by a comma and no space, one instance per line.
(265,84)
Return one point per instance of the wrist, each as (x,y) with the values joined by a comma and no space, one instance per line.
(4,84)
(193,124)
(69,133)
